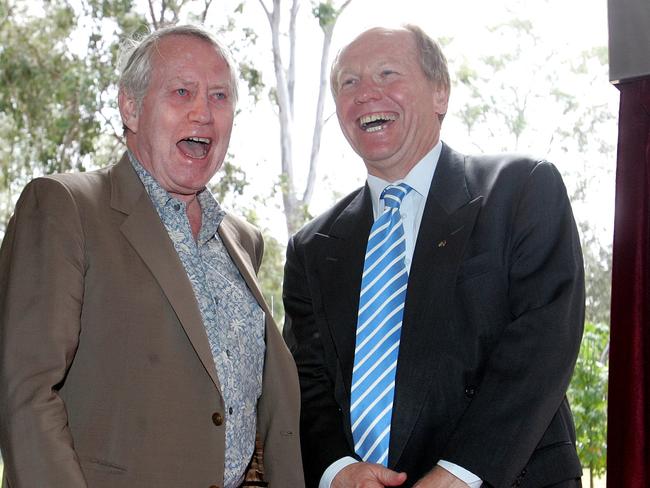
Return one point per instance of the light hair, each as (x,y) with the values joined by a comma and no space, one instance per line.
(430,56)
(135,56)
(432,59)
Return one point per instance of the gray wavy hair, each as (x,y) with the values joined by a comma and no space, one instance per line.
(134,59)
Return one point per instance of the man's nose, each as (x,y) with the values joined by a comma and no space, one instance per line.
(367,91)
(200,111)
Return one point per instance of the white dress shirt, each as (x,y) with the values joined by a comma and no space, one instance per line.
(411,210)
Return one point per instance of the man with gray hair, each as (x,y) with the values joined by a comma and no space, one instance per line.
(136,349)
(435,314)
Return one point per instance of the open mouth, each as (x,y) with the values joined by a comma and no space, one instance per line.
(195,147)
(375,122)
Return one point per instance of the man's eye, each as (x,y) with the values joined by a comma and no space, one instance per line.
(348,82)
(388,72)
(182,92)
(220,95)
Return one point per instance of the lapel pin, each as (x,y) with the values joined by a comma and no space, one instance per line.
(442,243)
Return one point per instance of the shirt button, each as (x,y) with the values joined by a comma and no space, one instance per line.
(217,419)
(177,206)
(228,352)
(230,410)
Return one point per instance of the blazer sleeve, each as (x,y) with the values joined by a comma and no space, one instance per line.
(528,371)
(321,421)
(41,296)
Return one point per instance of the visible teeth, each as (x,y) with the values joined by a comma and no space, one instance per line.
(366,121)
(203,140)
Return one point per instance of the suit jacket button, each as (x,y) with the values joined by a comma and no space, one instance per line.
(470,391)
(217,419)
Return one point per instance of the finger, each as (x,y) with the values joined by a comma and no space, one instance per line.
(388,477)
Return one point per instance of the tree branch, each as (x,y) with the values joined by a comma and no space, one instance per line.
(328,32)
(206,4)
(291,72)
(154,21)
(266,10)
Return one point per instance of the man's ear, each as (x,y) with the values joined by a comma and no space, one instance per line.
(440,100)
(128,110)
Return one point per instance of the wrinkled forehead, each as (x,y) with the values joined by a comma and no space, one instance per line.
(185,49)
(189,60)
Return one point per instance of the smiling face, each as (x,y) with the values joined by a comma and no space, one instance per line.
(182,130)
(387,108)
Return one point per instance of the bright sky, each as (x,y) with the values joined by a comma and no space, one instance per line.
(566,27)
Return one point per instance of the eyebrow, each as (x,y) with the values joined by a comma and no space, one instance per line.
(178,79)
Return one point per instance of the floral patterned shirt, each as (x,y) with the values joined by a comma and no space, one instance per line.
(233,319)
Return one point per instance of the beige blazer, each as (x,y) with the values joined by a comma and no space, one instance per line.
(106,374)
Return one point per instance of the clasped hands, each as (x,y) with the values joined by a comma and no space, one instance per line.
(368,475)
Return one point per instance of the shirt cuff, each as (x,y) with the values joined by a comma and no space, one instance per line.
(461,473)
(333,470)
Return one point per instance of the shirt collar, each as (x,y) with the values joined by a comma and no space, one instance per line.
(211,212)
(419,178)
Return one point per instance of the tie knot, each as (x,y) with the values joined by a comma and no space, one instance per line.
(394,194)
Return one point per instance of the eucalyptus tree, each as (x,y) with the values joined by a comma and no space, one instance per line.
(326,13)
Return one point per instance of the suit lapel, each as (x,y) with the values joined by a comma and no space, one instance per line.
(146,233)
(446,225)
(340,257)
(228,233)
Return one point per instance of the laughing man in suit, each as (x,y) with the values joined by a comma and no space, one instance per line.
(436,352)
(136,349)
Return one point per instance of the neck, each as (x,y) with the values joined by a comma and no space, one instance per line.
(194,215)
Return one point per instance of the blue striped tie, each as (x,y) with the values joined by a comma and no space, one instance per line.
(381,307)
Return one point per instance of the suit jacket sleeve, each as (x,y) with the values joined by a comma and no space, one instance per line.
(529,368)
(321,421)
(41,296)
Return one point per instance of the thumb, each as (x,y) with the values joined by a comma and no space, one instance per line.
(388,477)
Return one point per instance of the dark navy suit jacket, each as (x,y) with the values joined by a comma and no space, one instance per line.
(491,331)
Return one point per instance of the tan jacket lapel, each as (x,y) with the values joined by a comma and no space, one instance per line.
(146,233)
(241,257)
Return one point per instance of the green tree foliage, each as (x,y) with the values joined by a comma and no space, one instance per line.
(57,88)
(326,13)
(48,103)
(598,274)
(271,273)
(588,397)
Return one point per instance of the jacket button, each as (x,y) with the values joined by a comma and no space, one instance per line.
(470,391)
(217,419)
